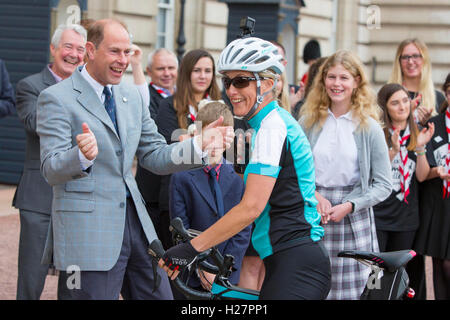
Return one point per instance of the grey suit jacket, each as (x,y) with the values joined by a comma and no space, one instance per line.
(88,210)
(33,193)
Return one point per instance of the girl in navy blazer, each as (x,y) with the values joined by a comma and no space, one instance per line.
(192,199)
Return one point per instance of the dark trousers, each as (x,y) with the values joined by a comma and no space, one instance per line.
(31,277)
(132,275)
(302,272)
(395,241)
(161,222)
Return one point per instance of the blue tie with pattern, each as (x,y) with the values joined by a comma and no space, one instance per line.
(216,191)
(110,106)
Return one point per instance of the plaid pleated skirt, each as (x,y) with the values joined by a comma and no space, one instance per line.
(355,232)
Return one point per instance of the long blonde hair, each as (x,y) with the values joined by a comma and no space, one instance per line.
(283,97)
(363,103)
(426,88)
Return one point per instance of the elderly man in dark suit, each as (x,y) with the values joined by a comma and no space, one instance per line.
(100,224)
(33,196)
(162,68)
(7,100)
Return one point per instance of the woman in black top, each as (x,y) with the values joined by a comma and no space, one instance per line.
(433,236)
(397,217)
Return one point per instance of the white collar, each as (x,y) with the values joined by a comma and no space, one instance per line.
(98,88)
(347,115)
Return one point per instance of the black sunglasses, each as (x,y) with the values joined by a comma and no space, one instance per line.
(238,82)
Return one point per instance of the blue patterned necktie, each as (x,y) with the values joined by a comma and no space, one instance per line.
(110,106)
(216,191)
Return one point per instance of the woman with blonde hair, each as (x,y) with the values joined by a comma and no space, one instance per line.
(412,69)
(282,92)
(340,119)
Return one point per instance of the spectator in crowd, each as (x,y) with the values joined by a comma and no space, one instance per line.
(163,70)
(311,52)
(412,69)
(283,92)
(397,217)
(138,73)
(91,126)
(33,195)
(340,118)
(295,92)
(201,196)
(433,235)
(312,72)
(196,81)
(7,99)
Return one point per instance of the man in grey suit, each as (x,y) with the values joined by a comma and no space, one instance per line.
(89,138)
(33,195)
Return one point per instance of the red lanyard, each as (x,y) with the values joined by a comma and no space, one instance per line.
(404,185)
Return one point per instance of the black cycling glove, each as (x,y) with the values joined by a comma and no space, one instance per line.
(180,256)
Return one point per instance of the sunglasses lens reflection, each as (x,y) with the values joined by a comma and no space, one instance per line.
(237,82)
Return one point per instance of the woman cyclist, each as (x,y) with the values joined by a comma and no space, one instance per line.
(279,193)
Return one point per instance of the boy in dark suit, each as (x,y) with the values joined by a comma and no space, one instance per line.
(201,196)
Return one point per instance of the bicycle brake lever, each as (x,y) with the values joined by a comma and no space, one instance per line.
(156,249)
(176,225)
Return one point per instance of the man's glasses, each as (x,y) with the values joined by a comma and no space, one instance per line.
(238,82)
(414,57)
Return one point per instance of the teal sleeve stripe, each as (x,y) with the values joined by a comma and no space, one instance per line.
(304,166)
(263,169)
(261,234)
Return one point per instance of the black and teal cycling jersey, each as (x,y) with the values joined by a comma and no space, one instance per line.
(280,149)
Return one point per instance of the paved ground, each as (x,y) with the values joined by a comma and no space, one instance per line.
(9,238)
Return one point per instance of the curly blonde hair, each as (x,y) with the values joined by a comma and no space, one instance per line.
(363,102)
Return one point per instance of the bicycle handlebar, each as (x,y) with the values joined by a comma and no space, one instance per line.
(222,267)
(156,250)
(183,235)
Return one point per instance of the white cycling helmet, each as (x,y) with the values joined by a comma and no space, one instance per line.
(253,55)
(250,54)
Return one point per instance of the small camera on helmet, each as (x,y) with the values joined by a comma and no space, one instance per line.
(247,26)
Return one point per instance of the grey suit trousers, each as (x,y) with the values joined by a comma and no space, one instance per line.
(31,273)
(132,275)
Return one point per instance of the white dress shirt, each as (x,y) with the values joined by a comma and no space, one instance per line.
(335,153)
(98,88)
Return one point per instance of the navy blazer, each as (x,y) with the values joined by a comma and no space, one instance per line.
(191,199)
